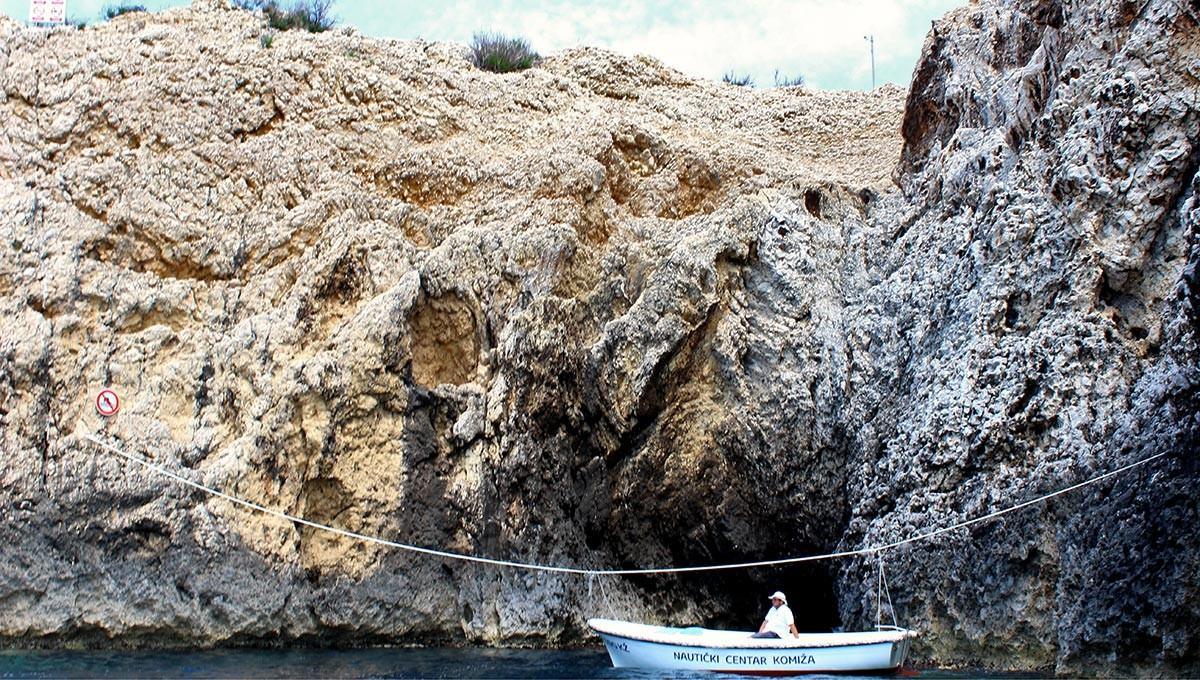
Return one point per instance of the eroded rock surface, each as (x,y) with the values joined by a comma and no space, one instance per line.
(1031,321)
(602,314)
(572,315)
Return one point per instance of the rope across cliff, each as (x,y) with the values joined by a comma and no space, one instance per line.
(533,566)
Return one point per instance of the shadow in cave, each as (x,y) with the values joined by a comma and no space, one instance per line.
(739,598)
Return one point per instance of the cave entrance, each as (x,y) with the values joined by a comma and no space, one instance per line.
(809,589)
(739,597)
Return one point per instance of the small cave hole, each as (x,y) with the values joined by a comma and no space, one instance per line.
(1139,333)
(1108,295)
(1012,311)
(812,201)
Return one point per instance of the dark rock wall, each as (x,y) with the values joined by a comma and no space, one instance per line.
(1032,323)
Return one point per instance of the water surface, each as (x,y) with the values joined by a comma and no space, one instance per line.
(345,663)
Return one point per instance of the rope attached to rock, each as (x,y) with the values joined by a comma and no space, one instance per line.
(871,550)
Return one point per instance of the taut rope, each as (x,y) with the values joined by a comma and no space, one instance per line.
(870,550)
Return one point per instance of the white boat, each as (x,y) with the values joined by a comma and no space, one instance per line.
(636,645)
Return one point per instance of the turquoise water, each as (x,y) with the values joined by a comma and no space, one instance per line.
(320,663)
(335,663)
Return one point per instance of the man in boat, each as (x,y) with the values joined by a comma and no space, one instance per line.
(779,621)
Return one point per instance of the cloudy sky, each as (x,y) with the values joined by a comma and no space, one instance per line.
(822,40)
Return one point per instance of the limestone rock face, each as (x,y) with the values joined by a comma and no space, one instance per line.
(1030,321)
(586,314)
(600,314)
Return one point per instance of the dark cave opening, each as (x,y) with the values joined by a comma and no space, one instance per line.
(739,597)
(812,202)
(809,589)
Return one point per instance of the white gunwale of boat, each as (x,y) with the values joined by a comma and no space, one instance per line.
(736,639)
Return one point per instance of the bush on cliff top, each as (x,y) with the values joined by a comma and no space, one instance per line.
(314,16)
(785,81)
(500,54)
(114,11)
(740,80)
(744,80)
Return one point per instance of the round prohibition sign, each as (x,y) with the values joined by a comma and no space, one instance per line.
(107,403)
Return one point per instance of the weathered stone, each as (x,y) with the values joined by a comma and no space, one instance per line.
(1029,328)
(603,314)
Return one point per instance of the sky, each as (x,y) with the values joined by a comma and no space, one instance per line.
(821,40)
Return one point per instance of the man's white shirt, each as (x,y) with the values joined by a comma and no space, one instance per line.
(780,620)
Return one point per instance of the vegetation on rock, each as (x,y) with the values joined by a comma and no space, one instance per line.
(501,54)
(739,79)
(114,11)
(314,16)
(782,80)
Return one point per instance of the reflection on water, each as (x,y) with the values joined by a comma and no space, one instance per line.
(342,663)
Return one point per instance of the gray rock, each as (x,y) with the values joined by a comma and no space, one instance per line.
(600,314)
(1038,328)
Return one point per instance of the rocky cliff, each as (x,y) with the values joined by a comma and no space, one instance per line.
(603,314)
(1029,319)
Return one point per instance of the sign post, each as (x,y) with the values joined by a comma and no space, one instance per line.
(47,11)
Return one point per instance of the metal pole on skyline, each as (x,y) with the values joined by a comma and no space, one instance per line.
(871,40)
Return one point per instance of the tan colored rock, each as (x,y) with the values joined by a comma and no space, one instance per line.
(362,282)
(598,313)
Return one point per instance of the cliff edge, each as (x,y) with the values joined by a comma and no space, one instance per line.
(600,313)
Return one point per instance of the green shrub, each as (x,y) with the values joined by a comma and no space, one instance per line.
(266,40)
(743,80)
(500,54)
(78,23)
(784,81)
(114,11)
(313,16)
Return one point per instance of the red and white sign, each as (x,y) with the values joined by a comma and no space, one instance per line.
(108,403)
(47,11)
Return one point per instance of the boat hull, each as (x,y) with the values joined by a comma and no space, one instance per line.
(784,657)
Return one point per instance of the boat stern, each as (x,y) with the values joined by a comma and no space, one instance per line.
(901,646)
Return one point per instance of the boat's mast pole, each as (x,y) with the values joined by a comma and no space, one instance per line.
(879,595)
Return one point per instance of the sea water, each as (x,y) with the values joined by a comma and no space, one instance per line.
(346,663)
